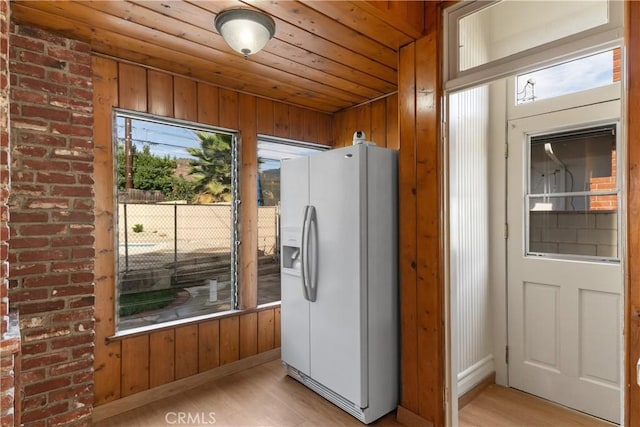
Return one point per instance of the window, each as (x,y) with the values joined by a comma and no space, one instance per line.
(176,192)
(573,193)
(569,77)
(486,40)
(270,152)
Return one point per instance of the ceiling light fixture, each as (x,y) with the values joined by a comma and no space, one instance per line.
(245,30)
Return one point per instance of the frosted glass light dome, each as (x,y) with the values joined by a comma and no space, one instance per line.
(246,31)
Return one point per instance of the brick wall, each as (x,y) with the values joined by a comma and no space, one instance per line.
(604,203)
(51,253)
(576,233)
(9,333)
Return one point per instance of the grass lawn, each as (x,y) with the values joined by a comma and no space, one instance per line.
(146,301)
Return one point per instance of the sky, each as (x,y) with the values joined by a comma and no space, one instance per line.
(585,73)
(172,141)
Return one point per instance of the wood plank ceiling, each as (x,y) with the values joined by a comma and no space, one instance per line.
(325,55)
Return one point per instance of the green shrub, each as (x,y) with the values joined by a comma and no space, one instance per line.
(138,228)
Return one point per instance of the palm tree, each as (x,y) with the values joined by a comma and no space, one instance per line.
(211,166)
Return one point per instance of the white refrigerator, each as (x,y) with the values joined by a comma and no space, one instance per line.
(339,277)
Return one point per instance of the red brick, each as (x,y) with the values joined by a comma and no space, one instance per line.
(60,267)
(82,302)
(6,401)
(71,367)
(86,167)
(43,86)
(44,360)
(26,216)
(41,307)
(8,420)
(85,95)
(55,178)
(72,418)
(44,413)
(82,119)
(73,216)
(42,229)
(47,385)
(85,179)
(79,352)
(72,191)
(28,190)
(45,255)
(50,165)
(20,95)
(46,113)
(30,150)
(73,290)
(32,376)
(34,402)
(34,349)
(69,55)
(27,69)
(82,277)
(27,43)
(40,34)
(65,129)
(47,203)
(80,229)
(69,342)
(83,377)
(41,59)
(80,69)
(72,241)
(28,269)
(71,392)
(72,104)
(79,253)
(21,243)
(20,295)
(45,334)
(27,137)
(48,280)
(70,316)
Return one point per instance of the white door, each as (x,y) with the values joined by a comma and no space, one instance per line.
(338,315)
(564,274)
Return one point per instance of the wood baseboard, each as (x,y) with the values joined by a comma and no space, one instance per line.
(137,400)
(409,418)
(466,398)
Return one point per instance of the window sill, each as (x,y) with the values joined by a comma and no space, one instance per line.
(145,330)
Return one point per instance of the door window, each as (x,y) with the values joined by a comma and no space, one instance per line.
(572,198)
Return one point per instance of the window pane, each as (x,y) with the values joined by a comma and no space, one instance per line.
(594,71)
(575,161)
(174,221)
(270,153)
(509,27)
(592,233)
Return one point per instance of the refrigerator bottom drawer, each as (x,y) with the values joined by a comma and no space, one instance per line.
(364,415)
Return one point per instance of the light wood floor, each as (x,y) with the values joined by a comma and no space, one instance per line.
(265,396)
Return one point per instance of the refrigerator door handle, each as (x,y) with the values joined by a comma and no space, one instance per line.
(312,248)
(306,225)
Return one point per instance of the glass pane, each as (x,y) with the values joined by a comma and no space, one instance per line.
(576,161)
(509,27)
(595,71)
(592,233)
(270,153)
(174,222)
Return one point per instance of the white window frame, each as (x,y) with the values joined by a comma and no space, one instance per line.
(576,45)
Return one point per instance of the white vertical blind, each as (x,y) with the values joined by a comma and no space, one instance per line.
(469,225)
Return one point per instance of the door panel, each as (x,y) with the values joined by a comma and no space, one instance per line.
(337,352)
(294,308)
(564,283)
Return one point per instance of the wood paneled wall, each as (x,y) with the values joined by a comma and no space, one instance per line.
(421,286)
(632,309)
(378,119)
(129,365)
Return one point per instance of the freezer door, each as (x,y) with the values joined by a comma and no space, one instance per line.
(338,316)
(294,310)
